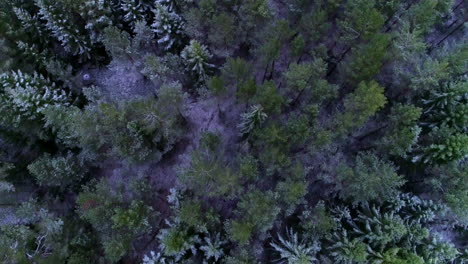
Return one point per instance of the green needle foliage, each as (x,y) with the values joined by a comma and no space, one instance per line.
(168,27)
(57,171)
(295,251)
(252,119)
(196,58)
(370,179)
(63,29)
(182,131)
(360,105)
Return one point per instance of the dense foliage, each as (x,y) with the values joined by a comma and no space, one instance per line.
(238,132)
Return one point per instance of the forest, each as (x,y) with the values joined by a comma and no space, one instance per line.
(233,131)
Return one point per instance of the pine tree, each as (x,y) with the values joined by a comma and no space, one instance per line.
(24,97)
(450,181)
(177,240)
(269,98)
(252,119)
(236,71)
(155,68)
(428,75)
(98,15)
(362,20)
(423,15)
(315,24)
(223,35)
(370,179)
(347,250)
(154,258)
(212,247)
(133,11)
(63,28)
(368,59)
(258,208)
(209,176)
(359,106)
(445,148)
(293,250)
(448,106)
(57,171)
(31,24)
(196,59)
(168,27)
(35,237)
(402,131)
(305,81)
(116,220)
(302,77)
(172,5)
(117,43)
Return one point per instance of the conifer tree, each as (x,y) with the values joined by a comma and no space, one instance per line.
(212,247)
(24,97)
(370,179)
(295,251)
(252,119)
(368,59)
(168,27)
(31,24)
(402,131)
(98,15)
(133,11)
(362,20)
(196,59)
(447,105)
(63,28)
(57,171)
(363,103)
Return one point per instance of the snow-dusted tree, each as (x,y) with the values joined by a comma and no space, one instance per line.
(63,28)
(30,23)
(56,171)
(154,258)
(196,57)
(133,11)
(212,247)
(168,27)
(23,97)
(255,117)
(32,52)
(98,15)
(171,4)
(294,250)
